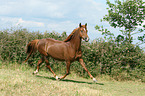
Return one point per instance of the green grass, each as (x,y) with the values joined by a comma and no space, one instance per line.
(17,80)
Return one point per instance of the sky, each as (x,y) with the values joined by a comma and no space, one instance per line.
(54,15)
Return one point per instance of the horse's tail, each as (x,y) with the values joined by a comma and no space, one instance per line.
(31,48)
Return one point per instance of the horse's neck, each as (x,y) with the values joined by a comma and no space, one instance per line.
(76,42)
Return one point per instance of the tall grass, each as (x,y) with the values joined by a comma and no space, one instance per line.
(120,61)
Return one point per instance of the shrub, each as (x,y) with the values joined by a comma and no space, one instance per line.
(120,61)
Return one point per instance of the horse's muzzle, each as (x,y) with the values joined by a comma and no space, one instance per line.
(86,39)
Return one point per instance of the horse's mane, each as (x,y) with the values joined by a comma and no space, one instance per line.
(71,35)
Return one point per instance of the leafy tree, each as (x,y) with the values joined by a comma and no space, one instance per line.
(128,15)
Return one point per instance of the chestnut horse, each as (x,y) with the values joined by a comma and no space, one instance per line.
(68,50)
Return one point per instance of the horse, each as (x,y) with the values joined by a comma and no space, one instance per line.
(68,50)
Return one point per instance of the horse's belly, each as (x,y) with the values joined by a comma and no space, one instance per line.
(57,57)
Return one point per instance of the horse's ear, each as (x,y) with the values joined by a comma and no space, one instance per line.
(80,25)
(86,24)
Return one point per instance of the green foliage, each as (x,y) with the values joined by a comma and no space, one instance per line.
(128,15)
(118,57)
(115,58)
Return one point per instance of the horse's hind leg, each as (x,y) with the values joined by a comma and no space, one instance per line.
(38,65)
(48,66)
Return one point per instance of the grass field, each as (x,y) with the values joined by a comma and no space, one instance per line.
(17,80)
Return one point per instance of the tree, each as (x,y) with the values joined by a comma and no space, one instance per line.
(128,15)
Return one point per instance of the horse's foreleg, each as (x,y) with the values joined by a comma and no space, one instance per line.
(83,64)
(68,69)
(38,65)
(48,66)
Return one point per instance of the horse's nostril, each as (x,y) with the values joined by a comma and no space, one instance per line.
(86,39)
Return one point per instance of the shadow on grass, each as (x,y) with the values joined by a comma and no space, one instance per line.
(69,80)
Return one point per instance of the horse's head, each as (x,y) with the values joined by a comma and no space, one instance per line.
(83,32)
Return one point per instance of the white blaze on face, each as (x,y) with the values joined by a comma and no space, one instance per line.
(84,29)
(87,38)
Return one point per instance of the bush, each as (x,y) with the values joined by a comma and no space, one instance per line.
(120,61)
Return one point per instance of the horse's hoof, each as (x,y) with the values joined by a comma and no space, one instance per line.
(35,73)
(57,78)
(61,78)
(94,80)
